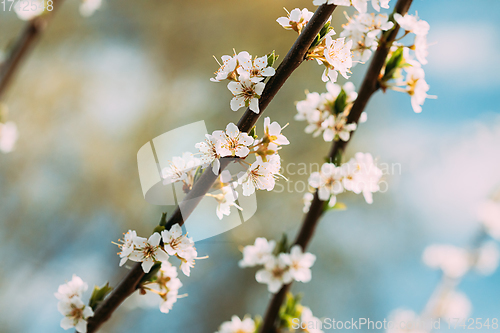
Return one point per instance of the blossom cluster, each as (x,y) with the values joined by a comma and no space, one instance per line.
(360,5)
(359,175)
(294,317)
(158,248)
(71,306)
(259,175)
(327,113)
(246,76)
(280,268)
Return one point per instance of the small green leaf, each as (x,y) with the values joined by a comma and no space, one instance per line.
(337,206)
(282,246)
(315,42)
(163,219)
(253,132)
(158,229)
(98,295)
(271,59)
(340,102)
(337,159)
(258,321)
(394,62)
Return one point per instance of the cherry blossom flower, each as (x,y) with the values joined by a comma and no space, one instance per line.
(361,175)
(148,251)
(453,304)
(8,136)
(296,20)
(307,200)
(246,93)
(312,324)
(256,70)
(75,314)
(88,7)
(233,142)
(452,260)
(166,285)
(275,273)
(225,201)
(411,23)
(421,49)
(27,13)
(74,288)
(174,241)
(338,56)
(328,182)
(336,126)
(257,254)
(227,70)
(360,5)
(260,176)
(210,151)
(300,264)
(272,139)
(127,246)
(180,167)
(236,325)
(417,87)
(187,257)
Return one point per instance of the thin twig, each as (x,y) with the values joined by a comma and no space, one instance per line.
(292,60)
(23,45)
(310,222)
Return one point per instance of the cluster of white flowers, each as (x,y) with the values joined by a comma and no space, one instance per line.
(236,325)
(295,20)
(166,284)
(360,5)
(323,115)
(279,269)
(70,305)
(8,136)
(455,261)
(363,30)
(359,175)
(246,76)
(148,251)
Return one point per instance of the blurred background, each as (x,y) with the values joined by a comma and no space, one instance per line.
(96,89)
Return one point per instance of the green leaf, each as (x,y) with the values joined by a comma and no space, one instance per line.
(326,28)
(258,321)
(253,132)
(151,276)
(315,42)
(337,206)
(337,159)
(340,102)
(98,295)
(282,246)
(163,219)
(158,229)
(394,62)
(271,59)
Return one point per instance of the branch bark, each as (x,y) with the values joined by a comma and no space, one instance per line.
(368,87)
(22,47)
(294,57)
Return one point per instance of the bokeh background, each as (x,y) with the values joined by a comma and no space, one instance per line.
(96,89)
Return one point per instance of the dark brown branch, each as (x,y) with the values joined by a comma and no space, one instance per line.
(292,60)
(22,46)
(310,222)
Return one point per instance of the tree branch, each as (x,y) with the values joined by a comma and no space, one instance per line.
(310,222)
(23,45)
(292,60)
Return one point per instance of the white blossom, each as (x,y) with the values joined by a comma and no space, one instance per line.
(273,137)
(338,55)
(421,49)
(361,175)
(453,304)
(88,7)
(246,93)
(236,325)
(225,200)
(296,20)
(233,142)
(227,68)
(452,260)
(257,254)
(256,70)
(148,251)
(180,167)
(8,136)
(75,314)
(360,5)
(328,181)
(300,264)
(166,286)
(275,272)
(411,23)
(260,176)
(210,151)
(307,200)
(336,125)
(416,87)
(26,11)
(74,288)
(312,324)
(127,246)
